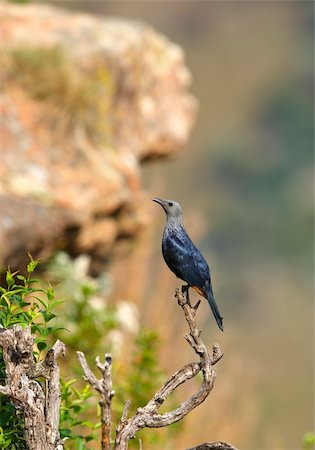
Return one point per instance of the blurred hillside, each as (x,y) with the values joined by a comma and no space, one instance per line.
(244,184)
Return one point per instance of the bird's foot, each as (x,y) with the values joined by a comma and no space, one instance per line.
(185,291)
(185,288)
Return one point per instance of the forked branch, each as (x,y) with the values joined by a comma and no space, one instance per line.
(148,415)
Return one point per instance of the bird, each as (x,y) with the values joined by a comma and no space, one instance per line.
(183,258)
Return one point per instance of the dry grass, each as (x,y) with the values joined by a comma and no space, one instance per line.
(76,97)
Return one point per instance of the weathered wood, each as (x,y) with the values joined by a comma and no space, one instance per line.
(53,396)
(41,412)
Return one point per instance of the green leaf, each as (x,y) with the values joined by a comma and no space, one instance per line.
(43,302)
(32,280)
(64,432)
(48,316)
(41,345)
(50,294)
(21,278)
(31,266)
(51,330)
(79,443)
(36,328)
(9,279)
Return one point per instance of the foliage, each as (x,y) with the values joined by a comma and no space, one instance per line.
(19,1)
(23,304)
(74,403)
(87,319)
(309,441)
(143,377)
(11,426)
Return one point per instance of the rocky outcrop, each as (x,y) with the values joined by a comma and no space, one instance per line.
(83,102)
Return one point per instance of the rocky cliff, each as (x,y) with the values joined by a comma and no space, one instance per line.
(84,101)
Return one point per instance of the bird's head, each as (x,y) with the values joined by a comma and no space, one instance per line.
(172,208)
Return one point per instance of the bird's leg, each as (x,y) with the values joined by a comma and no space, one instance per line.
(197,305)
(185,291)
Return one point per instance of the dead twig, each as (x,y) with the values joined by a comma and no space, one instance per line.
(104,387)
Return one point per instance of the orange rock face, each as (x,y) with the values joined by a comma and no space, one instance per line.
(83,101)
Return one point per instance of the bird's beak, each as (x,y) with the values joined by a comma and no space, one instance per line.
(160,202)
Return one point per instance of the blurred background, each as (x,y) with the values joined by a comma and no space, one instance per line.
(244,182)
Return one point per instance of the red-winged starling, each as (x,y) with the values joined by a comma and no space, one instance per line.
(183,258)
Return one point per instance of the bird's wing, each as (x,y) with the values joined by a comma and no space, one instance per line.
(200,266)
(173,252)
(185,260)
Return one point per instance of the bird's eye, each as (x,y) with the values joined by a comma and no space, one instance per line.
(170,204)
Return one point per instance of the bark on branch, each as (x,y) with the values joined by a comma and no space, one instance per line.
(41,411)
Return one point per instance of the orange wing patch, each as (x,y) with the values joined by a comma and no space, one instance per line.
(198,290)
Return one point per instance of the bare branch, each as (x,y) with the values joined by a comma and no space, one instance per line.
(148,415)
(88,374)
(104,387)
(124,417)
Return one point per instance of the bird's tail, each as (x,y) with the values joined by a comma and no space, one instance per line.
(215,309)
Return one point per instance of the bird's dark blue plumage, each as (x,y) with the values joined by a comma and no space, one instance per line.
(183,257)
